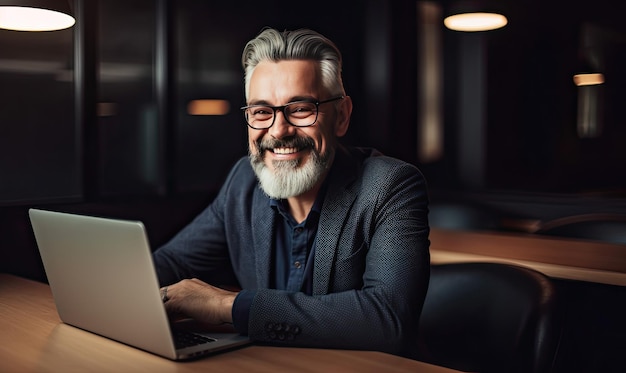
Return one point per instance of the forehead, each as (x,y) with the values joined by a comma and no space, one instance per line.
(285,78)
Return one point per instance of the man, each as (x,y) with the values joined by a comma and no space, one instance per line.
(329,244)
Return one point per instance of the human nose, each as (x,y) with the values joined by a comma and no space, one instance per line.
(281,128)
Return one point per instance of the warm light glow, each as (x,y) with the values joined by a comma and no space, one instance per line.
(208,107)
(429,107)
(588,79)
(20,18)
(475,21)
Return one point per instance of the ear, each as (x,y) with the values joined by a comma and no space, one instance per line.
(344,111)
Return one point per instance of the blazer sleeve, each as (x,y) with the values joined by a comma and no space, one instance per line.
(377,243)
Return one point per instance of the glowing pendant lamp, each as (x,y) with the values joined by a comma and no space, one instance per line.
(471,16)
(35,15)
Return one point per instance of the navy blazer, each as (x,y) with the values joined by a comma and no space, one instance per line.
(371,265)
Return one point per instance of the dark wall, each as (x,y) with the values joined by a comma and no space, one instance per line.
(533,103)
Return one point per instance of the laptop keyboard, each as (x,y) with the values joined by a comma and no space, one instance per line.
(184,339)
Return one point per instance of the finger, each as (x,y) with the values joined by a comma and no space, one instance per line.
(164,295)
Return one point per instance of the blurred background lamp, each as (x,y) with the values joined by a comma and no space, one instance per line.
(208,107)
(588,79)
(478,21)
(35,15)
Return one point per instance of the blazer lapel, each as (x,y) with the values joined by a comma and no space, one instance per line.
(339,198)
(263,227)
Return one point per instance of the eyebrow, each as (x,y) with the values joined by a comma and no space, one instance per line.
(292,99)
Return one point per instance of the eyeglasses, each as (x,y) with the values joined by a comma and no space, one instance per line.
(299,113)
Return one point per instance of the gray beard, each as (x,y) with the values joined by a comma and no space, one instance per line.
(290,178)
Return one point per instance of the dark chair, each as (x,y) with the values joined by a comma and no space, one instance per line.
(462,216)
(489,317)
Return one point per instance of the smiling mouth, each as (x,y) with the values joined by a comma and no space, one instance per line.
(286,146)
(284,151)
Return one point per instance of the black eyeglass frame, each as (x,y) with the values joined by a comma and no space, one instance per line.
(282,109)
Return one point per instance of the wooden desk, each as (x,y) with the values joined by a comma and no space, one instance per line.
(33,339)
(571,259)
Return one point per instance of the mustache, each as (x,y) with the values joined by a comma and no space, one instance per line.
(290,142)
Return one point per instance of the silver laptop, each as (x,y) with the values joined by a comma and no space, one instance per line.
(103,280)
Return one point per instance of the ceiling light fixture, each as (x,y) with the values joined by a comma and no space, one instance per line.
(471,22)
(35,15)
(474,15)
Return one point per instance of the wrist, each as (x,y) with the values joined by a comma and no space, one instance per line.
(227,307)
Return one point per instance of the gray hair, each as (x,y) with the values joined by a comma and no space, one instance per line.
(303,44)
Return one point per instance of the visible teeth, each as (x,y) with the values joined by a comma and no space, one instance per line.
(285,150)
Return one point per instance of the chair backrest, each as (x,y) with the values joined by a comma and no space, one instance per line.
(463,216)
(489,317)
